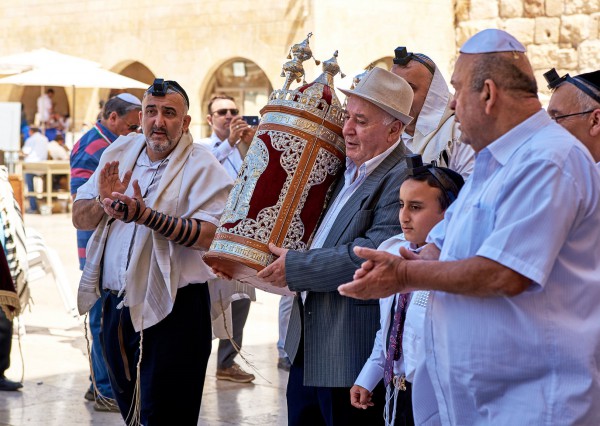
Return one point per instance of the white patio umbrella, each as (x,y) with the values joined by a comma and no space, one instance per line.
(75,77)
(39,58)
(78,77)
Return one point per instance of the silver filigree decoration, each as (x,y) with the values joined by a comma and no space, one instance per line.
(238,203)
(292,147)
(326,163)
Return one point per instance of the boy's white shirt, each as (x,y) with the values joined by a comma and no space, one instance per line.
(372,371)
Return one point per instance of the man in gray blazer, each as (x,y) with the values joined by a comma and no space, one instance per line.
(331,336)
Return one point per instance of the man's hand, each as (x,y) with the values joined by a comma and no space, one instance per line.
(248,134)
(275,272)
(360,397)
(110,182)
(135,205)
(382,275)
(429,252)
(237,127)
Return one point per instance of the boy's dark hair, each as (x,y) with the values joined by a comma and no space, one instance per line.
(447,181)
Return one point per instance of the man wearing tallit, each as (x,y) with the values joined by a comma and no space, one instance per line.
(155,202)
(434,134)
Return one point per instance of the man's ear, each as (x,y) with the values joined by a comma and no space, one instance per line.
(395,131)
(489,95)
(186,122)
(209,120)
(112,117)
(595,117)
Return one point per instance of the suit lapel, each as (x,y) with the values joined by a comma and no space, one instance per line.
(356,202)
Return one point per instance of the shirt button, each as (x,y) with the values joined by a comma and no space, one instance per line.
(309,312)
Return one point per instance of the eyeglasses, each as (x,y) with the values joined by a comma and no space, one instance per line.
(132,127)
(222,112)
(560,117)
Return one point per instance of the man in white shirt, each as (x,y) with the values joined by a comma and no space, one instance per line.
(44,106)
(57,150)
(35,149)
(229,130)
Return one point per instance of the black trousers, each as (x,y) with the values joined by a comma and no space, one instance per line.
(316,406)
(6,332)
(175,353)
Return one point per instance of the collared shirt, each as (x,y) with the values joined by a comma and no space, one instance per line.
(532,204)
(121,235)
(353,179)
(35,148)
(229,156)
(372,372)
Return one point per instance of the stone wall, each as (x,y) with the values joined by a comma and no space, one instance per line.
(188,40)
(561,34)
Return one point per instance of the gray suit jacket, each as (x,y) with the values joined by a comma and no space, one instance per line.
(339,331)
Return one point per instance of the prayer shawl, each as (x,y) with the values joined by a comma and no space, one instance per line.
(14,291)
(435,131)
(193,185)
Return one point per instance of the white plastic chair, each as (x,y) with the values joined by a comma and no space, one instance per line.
(43,260)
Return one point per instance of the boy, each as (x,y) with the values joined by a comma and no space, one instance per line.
(424,197)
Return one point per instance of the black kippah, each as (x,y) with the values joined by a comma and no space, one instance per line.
(591,78)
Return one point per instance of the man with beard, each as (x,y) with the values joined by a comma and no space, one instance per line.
(154,203)
(120,116)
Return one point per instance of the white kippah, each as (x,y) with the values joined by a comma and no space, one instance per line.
(128,97)
(492,41)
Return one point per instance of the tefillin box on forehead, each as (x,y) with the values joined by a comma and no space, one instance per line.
(293,163)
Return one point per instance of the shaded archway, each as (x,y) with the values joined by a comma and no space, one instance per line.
(241,79)
(137,71)
(28,96)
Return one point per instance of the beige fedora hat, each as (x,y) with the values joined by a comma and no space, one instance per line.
(386,90)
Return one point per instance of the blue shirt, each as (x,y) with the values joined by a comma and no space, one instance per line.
(532,204)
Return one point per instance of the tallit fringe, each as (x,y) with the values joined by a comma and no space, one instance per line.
(390,399)
(135,413)
(237,348)
(100,399)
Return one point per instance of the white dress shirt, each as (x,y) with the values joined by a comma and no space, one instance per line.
(35,148)
(229,156)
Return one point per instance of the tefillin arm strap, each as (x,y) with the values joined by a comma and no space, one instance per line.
(181,231)
(416,167)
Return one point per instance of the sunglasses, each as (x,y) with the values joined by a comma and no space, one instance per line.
(132,127)
(222,112)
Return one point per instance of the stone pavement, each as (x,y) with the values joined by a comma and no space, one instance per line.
(56,368)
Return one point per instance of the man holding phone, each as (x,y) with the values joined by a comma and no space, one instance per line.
(229,130)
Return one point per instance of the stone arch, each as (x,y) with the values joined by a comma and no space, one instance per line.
(243,80)
(135,70)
